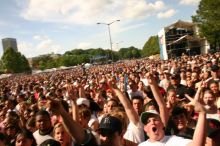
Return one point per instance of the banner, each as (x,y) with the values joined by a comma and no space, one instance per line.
(162,44)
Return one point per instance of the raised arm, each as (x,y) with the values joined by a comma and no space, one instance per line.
(80,86)
(73,128)
(73,98)
(200,131)
(132,115)
(159,99)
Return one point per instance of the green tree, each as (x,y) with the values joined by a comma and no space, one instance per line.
(208,19)
(128,53)
(151,47)
(14,62)
(25,65)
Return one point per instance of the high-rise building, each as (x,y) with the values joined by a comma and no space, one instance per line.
(9,43)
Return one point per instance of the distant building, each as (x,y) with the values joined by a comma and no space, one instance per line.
(181,38)
(9,43)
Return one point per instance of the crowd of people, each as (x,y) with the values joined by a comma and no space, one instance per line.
(141,102)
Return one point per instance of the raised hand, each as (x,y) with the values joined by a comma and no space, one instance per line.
(150,78)
(72,92)
(54,105)
(197,105)
(112,83)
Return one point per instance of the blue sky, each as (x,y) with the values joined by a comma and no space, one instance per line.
(46,26)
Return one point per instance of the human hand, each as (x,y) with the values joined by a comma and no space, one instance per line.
(54,105)
(197,105)
(150,78)
(112,83)
(72,92)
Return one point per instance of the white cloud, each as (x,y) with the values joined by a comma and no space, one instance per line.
(44,45)
(189,2)
(84,45)
(130,27)
(89,11)
(40,37)
(167,14)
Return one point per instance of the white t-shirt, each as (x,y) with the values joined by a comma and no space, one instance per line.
(135,133)
(167,141)
(41,138)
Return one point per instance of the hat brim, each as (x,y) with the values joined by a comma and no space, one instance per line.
(109,130)
(146,115)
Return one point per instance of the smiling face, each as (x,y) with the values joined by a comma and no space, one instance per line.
(154,128)
(171,96)
(214,87)
(208,98)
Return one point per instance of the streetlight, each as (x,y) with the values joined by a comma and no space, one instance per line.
(109,32)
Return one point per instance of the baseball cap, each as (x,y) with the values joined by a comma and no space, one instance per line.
(111,124)
(148,114)
(83,101)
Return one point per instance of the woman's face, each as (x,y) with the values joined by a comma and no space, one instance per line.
(172,97)
(105,108)
(21,140)
(208,99)
(61,135)
(140,85)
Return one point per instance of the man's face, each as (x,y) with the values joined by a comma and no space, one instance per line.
(180,121)
(174,81)
(43,123)
(154,129)
(137,105)
(214,87)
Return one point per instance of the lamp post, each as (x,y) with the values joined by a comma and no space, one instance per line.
(109,32)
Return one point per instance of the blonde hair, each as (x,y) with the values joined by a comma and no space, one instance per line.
(57,125)
(121,115)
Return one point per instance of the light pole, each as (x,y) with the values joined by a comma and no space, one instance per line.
(109,32)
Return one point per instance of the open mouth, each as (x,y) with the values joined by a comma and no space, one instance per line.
(154,129)
(61,140)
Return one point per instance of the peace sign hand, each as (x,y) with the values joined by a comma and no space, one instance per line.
(197,105)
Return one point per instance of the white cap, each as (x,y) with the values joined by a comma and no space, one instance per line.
(83,101)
